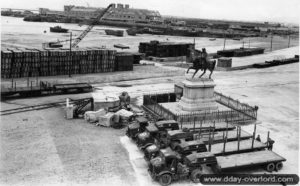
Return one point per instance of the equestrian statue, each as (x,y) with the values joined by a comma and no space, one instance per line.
(201,62)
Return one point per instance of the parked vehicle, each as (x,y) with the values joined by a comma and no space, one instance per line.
(188,147)
(155,131)
(170,166)
(137,127)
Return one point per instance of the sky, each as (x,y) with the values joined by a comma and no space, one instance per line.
(284,11)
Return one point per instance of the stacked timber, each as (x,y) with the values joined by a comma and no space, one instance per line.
(6,62)
(240,52)
(165,49)
(224,62)
(124,61)
(22,62)
(276,62)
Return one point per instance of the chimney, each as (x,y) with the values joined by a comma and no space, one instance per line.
(126,6)
(113,5)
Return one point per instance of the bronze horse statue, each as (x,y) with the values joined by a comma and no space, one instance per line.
(203,64)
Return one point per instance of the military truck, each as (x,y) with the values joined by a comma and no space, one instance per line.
(188,147)
(175,137)
(172,139)
(155,131)
(137,127)
(169,166)
(184,148)
(151,152)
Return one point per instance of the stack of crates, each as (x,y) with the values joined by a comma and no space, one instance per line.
(17,62)
(6,61)
(20,62)
(111,60)
(137,57)
(224,62)
(165,49)
(124,61)
(44,62)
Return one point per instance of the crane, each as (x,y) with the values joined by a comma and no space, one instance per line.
(86,31)
(89,28)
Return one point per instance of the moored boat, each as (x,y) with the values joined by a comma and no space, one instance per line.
(118,33)
(58,29)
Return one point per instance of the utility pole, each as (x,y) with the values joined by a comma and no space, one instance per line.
(289,41)
(243,43)
(249,43)
(271,41)
(70,66)
(70,42)
(224,42)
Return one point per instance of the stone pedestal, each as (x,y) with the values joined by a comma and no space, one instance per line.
(198,95)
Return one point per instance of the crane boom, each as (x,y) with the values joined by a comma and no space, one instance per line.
(89,28)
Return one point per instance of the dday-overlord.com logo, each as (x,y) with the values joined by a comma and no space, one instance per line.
(249,179)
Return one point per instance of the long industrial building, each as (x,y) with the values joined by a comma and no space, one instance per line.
(119,12)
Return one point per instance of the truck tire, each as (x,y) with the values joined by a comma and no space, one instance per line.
(270,167)
(278,166)
(165,179)
(195,175)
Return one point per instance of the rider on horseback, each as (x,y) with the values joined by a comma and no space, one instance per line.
(204,57)
(201,62)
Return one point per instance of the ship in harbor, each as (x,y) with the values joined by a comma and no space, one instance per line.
(58,29)
(118,33)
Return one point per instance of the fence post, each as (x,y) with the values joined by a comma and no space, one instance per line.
(209,141)
(181,118)
(239,136)
(254,132)
(213,137)
(194,123)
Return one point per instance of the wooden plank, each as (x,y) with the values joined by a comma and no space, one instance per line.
(248,159)
(232,146)
(219,126)
(232,136)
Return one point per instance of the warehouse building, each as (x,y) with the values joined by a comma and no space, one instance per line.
(119,12)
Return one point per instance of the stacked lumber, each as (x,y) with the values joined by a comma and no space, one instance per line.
(124,61)
(6,61)
(165,49)
(24,62)
(240,52)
